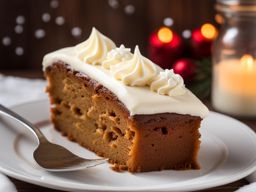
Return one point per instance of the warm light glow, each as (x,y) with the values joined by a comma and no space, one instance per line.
(165,35)
(209,31)
(247,61)
(219,19)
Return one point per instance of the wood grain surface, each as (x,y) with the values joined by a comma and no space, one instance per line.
(129,29)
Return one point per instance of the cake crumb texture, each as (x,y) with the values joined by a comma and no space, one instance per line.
(91,115)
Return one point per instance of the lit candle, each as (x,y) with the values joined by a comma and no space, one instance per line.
(234,86)
(201,40)
(165,46)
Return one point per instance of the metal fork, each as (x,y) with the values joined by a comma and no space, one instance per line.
(50,156)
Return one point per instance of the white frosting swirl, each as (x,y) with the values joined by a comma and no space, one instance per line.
(117,55)
(94,50)
(138,71)
(168,83)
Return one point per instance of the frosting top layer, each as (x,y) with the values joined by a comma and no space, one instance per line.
(138,100)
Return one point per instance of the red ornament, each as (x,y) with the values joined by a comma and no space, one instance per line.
(165,46)
(201,41)
(186,68)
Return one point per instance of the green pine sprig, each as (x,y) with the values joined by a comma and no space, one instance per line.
(201,84)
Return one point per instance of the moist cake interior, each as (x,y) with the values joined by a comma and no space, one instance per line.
(87,112)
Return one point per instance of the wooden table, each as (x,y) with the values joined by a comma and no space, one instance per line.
(27,187)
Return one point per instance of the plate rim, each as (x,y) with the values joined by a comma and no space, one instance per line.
(218,182)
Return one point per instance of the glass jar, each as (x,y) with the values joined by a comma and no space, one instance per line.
(234,63)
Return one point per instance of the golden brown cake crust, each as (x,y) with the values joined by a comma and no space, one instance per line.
(92,115)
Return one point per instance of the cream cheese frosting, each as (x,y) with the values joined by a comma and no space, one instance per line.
(168,83)
(138,100)
(94,50)
(137,71)
(116,55)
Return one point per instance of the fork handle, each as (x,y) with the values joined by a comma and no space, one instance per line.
(26,123)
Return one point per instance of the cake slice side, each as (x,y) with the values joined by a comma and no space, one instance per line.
(91,115)
(166,141)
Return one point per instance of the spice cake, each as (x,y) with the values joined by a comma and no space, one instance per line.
(122,106)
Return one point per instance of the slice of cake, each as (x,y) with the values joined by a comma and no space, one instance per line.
(122,106)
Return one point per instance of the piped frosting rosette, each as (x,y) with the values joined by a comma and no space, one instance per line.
(94,50)
(116,56)
(168,83)
(137,71)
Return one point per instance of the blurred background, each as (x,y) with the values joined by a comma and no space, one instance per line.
(30,28)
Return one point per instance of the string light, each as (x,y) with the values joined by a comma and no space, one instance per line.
(186,33)
(46,17)
(59,20)
(113,3)
(18,29)
(129,9)
(20,20)
(19,51)
(76,31)
(54,4)
(39,33)
(6,41)
(168,21)
(165,35)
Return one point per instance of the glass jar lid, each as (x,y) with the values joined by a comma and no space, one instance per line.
(245,7)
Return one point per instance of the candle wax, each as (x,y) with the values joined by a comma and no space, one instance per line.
(234,88)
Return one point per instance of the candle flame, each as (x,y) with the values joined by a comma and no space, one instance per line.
(165,35)
(247,61)
(209,31)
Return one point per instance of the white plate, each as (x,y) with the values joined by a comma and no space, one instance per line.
(227,154)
